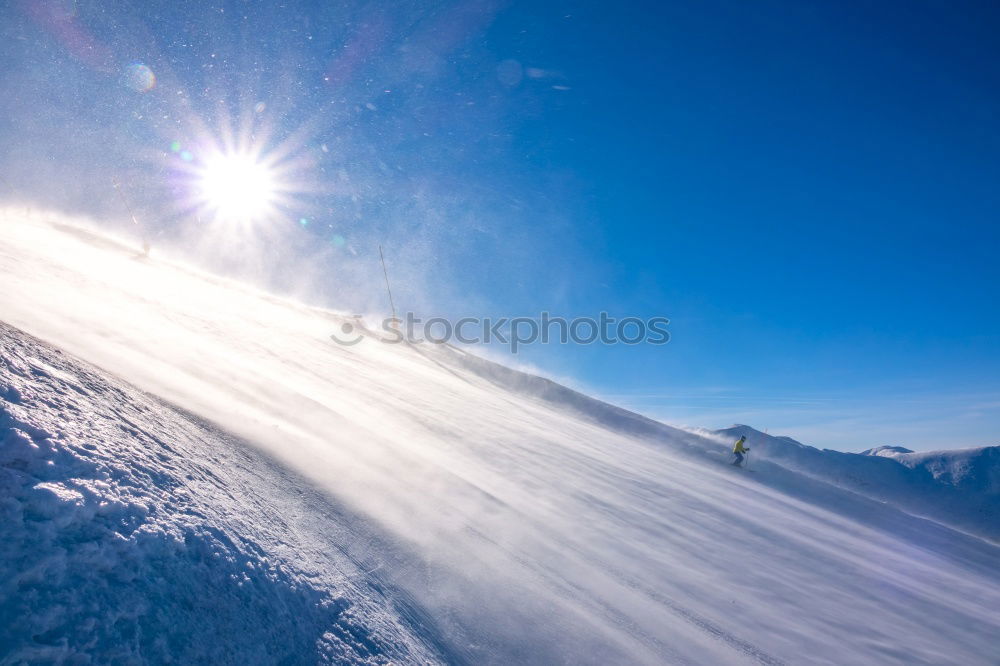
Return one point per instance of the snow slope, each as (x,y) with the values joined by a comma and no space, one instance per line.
(462,511)
(135,533)
(958,487)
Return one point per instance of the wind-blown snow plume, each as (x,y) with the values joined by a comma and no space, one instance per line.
(530,522)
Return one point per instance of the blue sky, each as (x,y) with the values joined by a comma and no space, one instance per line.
(807,190)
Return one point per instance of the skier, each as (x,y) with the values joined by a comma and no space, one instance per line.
(739,450)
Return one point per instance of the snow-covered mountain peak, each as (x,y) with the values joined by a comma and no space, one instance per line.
(885,451)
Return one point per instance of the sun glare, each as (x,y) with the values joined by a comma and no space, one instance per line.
(238,187)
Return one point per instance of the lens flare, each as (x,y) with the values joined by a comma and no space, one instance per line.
(238,187)
(139,77)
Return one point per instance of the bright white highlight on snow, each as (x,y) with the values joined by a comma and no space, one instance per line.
(238,187)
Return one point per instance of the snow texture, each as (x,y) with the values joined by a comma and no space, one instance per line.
(286,499)
(137,534)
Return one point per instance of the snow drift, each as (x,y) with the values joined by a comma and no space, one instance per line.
(462,511)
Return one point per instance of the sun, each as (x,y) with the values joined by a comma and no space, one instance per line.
(238,187)
(241,176)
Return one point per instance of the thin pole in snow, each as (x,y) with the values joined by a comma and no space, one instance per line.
(121,193)
(118,188)
(385,274)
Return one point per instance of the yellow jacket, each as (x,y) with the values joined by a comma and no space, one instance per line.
(738,447)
